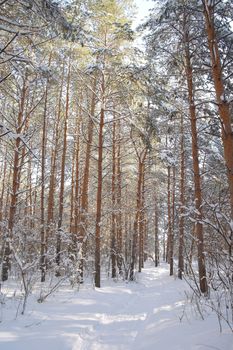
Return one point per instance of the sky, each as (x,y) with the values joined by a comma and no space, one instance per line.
(143,10)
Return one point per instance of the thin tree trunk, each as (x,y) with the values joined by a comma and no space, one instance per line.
(173,219)
(86,175)
(15,184)
(72,188)
(169,218)
(144,221)
(141,222)
(2,206)
(182,203)
(141,159)
(135,227)
(196,170)
(113,231)
(53,168)
(63,165)
(42,195)
(77,238)
(3,191)
(156,227)
(30,196)
(34,196)
(99,190)
(7,202)
(164,246)
(119,194)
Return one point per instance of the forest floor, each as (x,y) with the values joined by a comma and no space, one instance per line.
(150,314)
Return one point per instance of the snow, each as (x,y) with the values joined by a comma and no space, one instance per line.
(151,313)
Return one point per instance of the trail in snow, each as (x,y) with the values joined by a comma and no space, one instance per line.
(119,316)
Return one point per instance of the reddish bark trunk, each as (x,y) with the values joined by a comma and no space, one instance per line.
(196,170)
(223,104)
(15,184)
(182,203)
(99,190)
(113,231)
(63,164)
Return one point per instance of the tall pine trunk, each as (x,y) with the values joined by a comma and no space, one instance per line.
(223,104)
(63,165)
(141,225)
(53,168)
(113,230)
(99,188)
(182,202)
(196,170)
(134,254)
(15,184)
(118,199)
(86,177)
(169,222)
(156,228)
(42,194)
(77,239)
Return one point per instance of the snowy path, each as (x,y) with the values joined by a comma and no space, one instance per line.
(119,316)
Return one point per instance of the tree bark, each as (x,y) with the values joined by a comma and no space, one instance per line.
(99,189)
(141,225)
(42,195)
(156,227)
(196,170)
(113,231)
(15,184)
(53,168)
(141,159)
(83,225)
(169,223)
(63,165)
(119,194)
(182,202)
(223,104)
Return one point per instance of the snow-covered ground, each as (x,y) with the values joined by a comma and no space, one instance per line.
(151,314)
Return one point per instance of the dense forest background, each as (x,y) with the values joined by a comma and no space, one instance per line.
(111,155)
